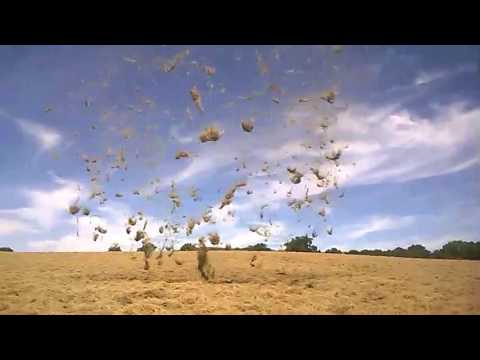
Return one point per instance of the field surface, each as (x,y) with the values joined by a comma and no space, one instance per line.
(279,283)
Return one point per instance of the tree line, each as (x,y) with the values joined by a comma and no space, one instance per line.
(256,247)
(456,249)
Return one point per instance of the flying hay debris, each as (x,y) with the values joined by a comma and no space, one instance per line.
(181,155)
(214,238)
(204,267)
(247,125)
(197,98)
(329,96)
(210,134)
(294,176)
(73,209)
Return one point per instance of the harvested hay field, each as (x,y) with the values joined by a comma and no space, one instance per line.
(279,283)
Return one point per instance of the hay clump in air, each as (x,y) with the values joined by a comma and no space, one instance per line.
(182,155)
(228,197)
(262,65)
(294,175)
(148,249)
(139,235)
(194,194)
(316,172)
(214,238)
(209,70)
(297,204)
(247,125)
(197,98)
(207,216)
(329,96)
(73,209)
(171,64)
(120,160)
(204,267)
(304,100)
(101,230)
(190,225)
(210,134)
(174,197)
(334,155)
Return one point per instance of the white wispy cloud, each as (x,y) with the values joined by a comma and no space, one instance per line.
(112,218)
(426,77)
(46,208)
(390,144)
(14,226)
(377,224)
(174,132)
(47,138)
(387,144)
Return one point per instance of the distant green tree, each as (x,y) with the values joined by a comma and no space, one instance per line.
(300,243)
(417,251)
(376,252)
(6,249)
(333,251)
(115,247)
(353,252)
(459,250)
(257,247)
(188,247)
(397,252)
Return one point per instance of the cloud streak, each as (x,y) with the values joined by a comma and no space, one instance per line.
(45,209)
(13,227)
(378,224)
(47,138)
(390,144)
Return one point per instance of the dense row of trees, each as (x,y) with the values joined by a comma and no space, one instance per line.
(6,249)
(457,249)
(256,247)
(453,250)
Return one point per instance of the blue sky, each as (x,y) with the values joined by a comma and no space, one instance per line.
(408,117)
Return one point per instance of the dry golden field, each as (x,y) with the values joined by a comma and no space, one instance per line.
(280,283)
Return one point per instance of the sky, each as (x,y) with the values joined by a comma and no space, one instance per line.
(405,118)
